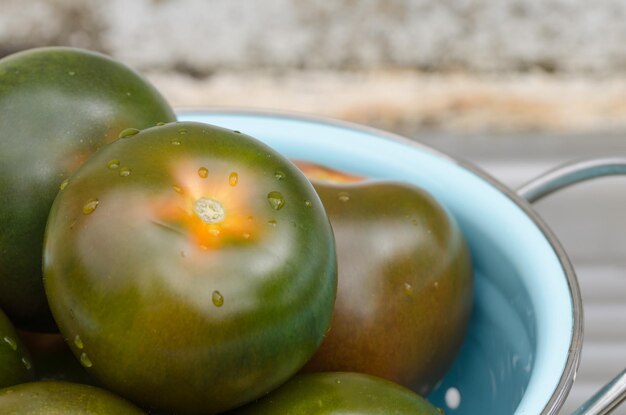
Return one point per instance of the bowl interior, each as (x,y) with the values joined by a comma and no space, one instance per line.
(516,349)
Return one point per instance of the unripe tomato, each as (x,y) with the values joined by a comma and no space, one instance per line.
(57,106)
(15,362)
(404,295)
(339,394)
(193,268)
(55,397)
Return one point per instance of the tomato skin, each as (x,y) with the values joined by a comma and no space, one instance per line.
(404,293)
(338,394)
(54,397)
(58,106)
(15,362)
(174,312)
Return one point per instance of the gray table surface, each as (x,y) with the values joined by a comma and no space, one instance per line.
(590,221)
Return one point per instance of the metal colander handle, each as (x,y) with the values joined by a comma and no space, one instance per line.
(570,174)
(609,397)
(613,393)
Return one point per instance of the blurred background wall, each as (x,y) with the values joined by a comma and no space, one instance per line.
(202,36)
(462,65)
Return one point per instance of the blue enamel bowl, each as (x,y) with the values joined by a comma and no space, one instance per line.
(523,345)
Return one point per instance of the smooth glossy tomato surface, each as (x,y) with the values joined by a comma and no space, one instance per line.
(15,362)
(404,293)
(56,398)
(195,264)
(57,106)
(339,394)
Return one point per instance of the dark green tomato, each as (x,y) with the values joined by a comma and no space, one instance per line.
(15,362)
(53,359)
(195,264)
(57,106)
(404,293)
(339,394)
(54,398)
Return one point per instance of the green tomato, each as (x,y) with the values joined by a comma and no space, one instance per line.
(58,106)
(339,394)
(195,264)
(404,294)
(54,397)
(15,362)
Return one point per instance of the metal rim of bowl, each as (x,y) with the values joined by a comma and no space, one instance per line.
(566,381)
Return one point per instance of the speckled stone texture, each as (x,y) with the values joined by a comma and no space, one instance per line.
(202,36)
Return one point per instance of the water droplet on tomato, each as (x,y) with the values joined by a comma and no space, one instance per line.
(203,172)
(233,179)
(175,141)
(272,222)
(64,184)
(125,171)
(209,210)
(160,124)
(408,289)
(129,132)
(214,232)
(78,342)
(183,131)
(27,364)
(11,342)
(90,206)
(217,298)
(178,189)
(71,73)
(84,360)
(307,203)
(246,235)
(276,200)
(279,175)
(113,164)
(343,197)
